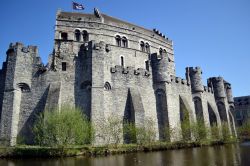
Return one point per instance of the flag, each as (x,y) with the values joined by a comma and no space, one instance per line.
(77,6)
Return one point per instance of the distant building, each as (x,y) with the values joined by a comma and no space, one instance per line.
(242,109)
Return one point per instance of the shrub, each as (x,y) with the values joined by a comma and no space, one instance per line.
(112,130)
(65,127)
(146,134)
(199,130)
(129,130)
(226,136)
(215,135)
(140,135)
(244,130)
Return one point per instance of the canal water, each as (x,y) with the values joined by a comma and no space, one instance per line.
(227,155)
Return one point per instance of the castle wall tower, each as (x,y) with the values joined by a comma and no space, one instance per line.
(2,85)
(18,81)
(194,77)
(203,98)
(218,86)
(97,90)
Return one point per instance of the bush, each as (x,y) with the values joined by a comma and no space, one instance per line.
(140,135)
(185,126)
(65,127)
(146,134)
(215,135)
(226,136)
(199,130)
(244,130)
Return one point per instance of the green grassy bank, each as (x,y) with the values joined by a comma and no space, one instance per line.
(37,151)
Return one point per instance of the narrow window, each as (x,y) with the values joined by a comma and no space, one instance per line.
(160,51)
(64,66)
(64,36)
(124,42)
(85,36)
(122,61)
(77,35)
(118,40)
(147,65)
(147,48)
(142,45)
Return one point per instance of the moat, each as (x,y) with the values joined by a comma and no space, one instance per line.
(231,154)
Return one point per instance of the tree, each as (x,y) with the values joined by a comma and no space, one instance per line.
(65,127)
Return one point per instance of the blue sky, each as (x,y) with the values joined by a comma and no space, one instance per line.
(212,34)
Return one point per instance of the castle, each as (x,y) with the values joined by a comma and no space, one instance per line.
(107,67)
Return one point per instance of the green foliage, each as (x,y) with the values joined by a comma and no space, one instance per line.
(110,130)
(168,132)
(244,130)
(140,135)
(185,126)
(20,140)
(215,135)
(129,130)
(226,136)
(199,130)
(67,127)
(146,134)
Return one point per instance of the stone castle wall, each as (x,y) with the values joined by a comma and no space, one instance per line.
(133,80)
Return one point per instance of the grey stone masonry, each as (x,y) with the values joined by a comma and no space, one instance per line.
(108,68)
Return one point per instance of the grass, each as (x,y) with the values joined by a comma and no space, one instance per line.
(38,151)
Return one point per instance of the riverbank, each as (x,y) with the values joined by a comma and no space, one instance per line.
(37,151)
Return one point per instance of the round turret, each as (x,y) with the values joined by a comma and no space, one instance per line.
(160,68)
(218,86)
(229,93)
(195,78)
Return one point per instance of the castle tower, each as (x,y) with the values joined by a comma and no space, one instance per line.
(18,82)
(97,90)
(194,77)
(221,98)
(229,93)
(161,68)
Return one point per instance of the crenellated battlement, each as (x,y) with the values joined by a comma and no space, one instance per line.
(218,79)
(178,80)
(208,89)
(217,84)
(130,70)
(194,69)
(13,47)
(194,77)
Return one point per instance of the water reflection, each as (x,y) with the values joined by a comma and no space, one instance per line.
(227,155)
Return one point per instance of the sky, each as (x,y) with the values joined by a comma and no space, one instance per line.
(212,34)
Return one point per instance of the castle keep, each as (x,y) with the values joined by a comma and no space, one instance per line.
(107,67)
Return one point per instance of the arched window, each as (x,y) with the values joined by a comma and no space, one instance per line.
(142,45)
(122,61)
(124,42)
(107,86)
(160,51)
(118,40)
(85,36)
(147,46)
(24,87)
(77,35)
(64,36)
(164,50)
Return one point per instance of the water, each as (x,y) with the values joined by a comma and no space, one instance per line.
(228,155)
